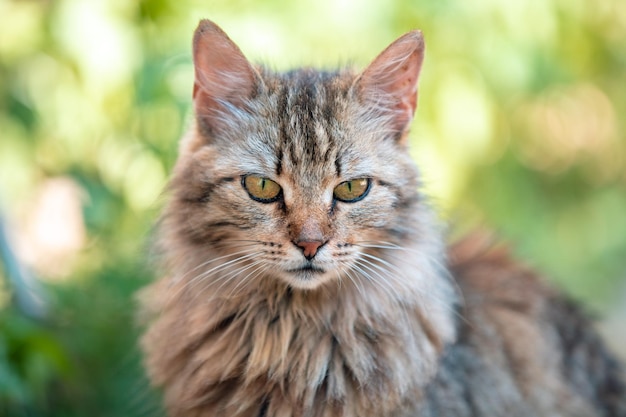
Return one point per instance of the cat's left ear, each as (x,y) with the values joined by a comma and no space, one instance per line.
(389,84)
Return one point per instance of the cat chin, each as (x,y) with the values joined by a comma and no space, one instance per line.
(306,279)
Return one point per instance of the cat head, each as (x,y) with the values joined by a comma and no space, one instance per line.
(300,176)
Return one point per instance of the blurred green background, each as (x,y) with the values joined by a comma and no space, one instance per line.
(521,129)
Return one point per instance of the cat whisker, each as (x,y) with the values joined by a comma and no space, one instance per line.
(354,282)
(338,280)
(236,275)
(365,266)
(233,273)
(223,280)
(379,280)
(250,241)
(260,268)
(209,261)
(437,262)
(198,278)
(395,281)
(396,278)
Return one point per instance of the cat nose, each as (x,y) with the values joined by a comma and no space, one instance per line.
(309,247)
(309,236)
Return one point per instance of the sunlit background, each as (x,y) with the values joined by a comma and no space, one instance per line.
(521,129)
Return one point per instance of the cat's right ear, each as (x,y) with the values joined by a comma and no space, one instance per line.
(224,79)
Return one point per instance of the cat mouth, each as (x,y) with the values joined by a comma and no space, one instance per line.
(307,270)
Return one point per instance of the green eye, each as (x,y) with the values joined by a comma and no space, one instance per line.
(353,190)
(261,189)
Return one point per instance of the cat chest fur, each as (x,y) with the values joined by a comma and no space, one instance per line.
(314,354)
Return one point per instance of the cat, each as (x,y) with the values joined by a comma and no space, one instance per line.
(305,274)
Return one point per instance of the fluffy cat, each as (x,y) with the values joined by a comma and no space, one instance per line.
(306,276)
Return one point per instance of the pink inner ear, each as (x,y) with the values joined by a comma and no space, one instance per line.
(390,81)
(222,73)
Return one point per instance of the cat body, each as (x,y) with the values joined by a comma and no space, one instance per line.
(306,275)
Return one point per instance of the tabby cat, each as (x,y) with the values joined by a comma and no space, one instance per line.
(305,275)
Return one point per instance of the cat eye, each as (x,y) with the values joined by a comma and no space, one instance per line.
(261,189)
(352,191)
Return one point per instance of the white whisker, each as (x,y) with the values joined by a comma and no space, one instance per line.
(260,268)
(209,261)
(382,280)
(382,283)
(200,277)
(400,274)
(237,275)
(355,282)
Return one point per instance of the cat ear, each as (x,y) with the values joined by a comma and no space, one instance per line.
(389,83)
(224,79)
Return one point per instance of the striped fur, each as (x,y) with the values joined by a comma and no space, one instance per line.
(243,325)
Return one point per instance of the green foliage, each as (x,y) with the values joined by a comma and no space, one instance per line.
(86,362)
(31,359)
(519,129)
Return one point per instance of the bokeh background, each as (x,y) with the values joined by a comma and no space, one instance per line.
(521,129)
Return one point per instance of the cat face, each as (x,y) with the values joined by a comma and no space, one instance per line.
(300,176)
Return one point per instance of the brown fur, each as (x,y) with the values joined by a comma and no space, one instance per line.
(381,321)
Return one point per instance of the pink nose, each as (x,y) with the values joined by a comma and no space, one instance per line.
(309,248)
